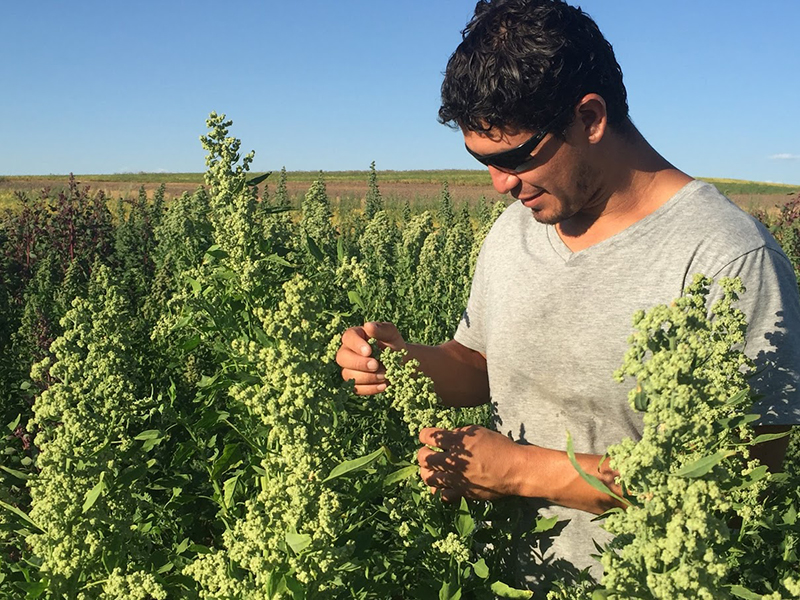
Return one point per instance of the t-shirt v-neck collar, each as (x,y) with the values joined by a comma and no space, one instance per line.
(632,231)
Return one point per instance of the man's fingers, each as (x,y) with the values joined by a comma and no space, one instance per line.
(435,479)
(356,340)
(370,390)
(441,438)
(351,361)
(385,333)
(365,378)
(431,460)
(355,356)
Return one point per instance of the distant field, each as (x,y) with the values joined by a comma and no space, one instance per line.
(415,186)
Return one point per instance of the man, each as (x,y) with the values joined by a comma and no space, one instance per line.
(604,226)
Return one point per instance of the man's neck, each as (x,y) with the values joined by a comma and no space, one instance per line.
(635,181)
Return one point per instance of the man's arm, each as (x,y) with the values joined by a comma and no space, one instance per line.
(476,462)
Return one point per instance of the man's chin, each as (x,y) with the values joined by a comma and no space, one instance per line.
(544,217)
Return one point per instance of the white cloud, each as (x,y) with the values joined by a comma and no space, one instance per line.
(785,156)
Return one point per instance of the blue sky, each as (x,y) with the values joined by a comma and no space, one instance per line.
(108,87)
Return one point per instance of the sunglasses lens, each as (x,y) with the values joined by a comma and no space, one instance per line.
(510,161)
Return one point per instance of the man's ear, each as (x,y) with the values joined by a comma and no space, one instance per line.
(592,117)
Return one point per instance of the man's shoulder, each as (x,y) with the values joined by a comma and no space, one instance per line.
(703,216)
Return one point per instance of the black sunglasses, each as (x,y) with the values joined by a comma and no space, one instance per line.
(515,159)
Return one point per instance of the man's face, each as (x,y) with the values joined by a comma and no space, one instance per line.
(557,182)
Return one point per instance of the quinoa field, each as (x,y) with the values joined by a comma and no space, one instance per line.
(173,423)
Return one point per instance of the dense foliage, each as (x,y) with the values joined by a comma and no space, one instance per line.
(174,425)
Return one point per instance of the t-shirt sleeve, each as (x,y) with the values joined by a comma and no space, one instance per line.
(771,304)
(471,331)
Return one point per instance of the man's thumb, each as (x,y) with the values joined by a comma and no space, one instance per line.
(386,334)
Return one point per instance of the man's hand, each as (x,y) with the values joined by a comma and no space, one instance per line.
(458,373)
(473,462)
(355,355)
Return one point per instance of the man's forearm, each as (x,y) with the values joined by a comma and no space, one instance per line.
(549,474)
(458,373)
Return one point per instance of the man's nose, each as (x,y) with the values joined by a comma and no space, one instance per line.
(503,181)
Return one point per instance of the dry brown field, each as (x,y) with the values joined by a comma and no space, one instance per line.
(343,191)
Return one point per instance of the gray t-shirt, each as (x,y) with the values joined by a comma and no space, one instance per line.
(554,324)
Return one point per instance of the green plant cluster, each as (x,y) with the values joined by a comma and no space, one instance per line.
(184,432)
(703,519)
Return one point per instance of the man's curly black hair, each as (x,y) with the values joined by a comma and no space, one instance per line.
(524,63)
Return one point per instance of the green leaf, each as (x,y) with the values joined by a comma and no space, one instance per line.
(340,249)
(231,454)
(183,322)
(192,343)
(195,284)
(165,568)
(400,475)
(278,260)
(356,300)
(259,179)
(590,479)
(216,252)
(210,417)
(738,421)
(465,524)
(183,546)
(298,541)
(790,516)
(206,381)
(34,589)
(13,425)
(151,439)
(314,248)
(93,494)
(262,338)
(480,568)
(506,591)
(703,465)
(768,437)
(543,524)
(275,585)
(742,592)
(640,400)
(296,588)
(229,487)
(738,397)
(25,519)
(14,473)
(755,476)
(355,464)
(450,591)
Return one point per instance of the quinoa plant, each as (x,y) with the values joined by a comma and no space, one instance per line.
(699,509)
(374,201)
